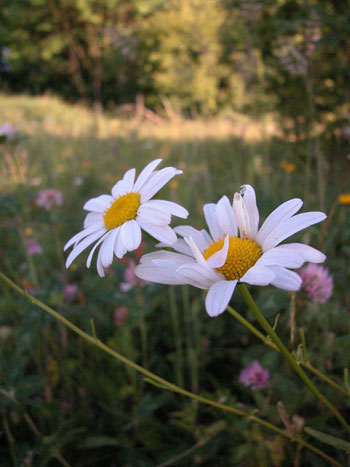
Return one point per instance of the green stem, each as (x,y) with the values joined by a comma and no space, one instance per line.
(30,261)
(57,240)
(268,342)
(178,360)
(143,329)
(191,352)
(156,379)
(287,355)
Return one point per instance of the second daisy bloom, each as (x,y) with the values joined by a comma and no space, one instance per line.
(219,261)
(115,221)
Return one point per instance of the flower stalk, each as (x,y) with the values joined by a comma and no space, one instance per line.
(267,340)
(287,355)
(158,381)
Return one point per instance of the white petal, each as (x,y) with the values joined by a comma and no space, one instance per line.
(119,189)
(129,178)
(156,182)
(119,247)
(173,209)
(291,226)
(226,217)
(145,174)
(284,211)
(107,248)
(242,216)
(99,265)
(197,275)
(158,274)
(309,254)
(285,279)
(82,245)
(196,251)
(174,258)
(249,200)
(281,257)
(206,237)
(163,233)
(153,214)
(99,204)
(180,246)
(93,218)
(218,259)
(130,233)
(258,275)
(219,296)
(211,219)
(198,237)
(80,235)
(91,254)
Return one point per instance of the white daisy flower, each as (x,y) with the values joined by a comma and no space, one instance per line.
(219,261)
(115,221)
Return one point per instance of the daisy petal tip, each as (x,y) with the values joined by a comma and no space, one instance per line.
(322,258)
(212,310)
(185,214)
(244,188)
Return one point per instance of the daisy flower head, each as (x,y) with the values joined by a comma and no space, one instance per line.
(235,250)
(115,221)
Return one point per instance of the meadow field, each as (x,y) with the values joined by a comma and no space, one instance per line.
(65,402)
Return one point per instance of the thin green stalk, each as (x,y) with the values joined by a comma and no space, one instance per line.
(268,342)
(318,373)
(178,361)
(10,439)
(143,329)
(156,379)
(287,355)
(57,239)
(29,258)
(192,357)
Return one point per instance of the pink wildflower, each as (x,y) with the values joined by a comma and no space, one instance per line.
(31,290)
(64,405)
(317,283)
(33,247)
(130,278)
(8,130)
(48,198)
(78,181)
(120,315)
(69,291)
(255,376)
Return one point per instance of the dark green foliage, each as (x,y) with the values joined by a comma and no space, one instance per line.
(193,56)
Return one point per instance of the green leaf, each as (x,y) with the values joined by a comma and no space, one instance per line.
(328,439)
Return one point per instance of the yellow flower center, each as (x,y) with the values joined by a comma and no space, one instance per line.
(121,210)
(242,254)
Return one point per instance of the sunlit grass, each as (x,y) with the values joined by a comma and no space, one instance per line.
(47,114)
